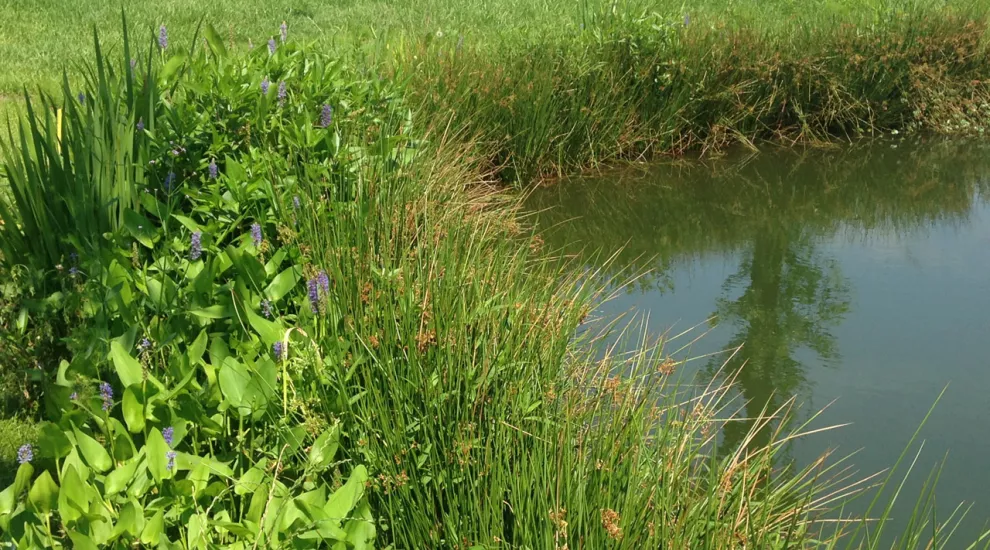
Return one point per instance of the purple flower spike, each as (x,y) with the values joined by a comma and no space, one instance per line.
(281,93)
(169,180)
(271,46)
(82,97)
(326,116)
(170,465)
(295,201)
(323,280)
(266,309)
(162,37)
(25,454)
(144,344)
(140,124)
(284,29)
(256,234)
(278,348)
(265,84)
(687,20)
(213,169)
(169,435)
(196,245)
(106,392)
(314,296)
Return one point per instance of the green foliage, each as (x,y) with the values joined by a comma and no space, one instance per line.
(287,331)
(149,299)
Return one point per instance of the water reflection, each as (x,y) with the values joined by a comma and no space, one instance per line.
(769,214)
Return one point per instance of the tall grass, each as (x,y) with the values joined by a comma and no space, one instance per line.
(635,82)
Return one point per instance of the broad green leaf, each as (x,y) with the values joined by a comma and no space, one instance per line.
(22,479)
(128,368)
(212,312)
(52,442)
(153,529)
(361,528)
(157,454)
(74,489)
(234,379)
(196,525)
(82,542)
(117,480)
(188,223)
(198,347)
(248,266)
(218,351)
(269,331)
(8,499)
(43,495)
(214,41)
(272,265)
(96,456)
(324,449)
(133,406)
(130,520)
(343,500)
(172,66)
(283,283)
(234,170)
(252,479)
(140,228)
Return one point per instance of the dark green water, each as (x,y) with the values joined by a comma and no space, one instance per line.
(860,276)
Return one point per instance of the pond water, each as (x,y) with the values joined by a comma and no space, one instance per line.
(860,276)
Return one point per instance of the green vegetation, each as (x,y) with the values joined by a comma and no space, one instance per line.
(267,302)
(546,87)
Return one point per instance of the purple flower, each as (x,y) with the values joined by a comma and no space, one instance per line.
(169,435)
(25,454)
(284,29)
(326,116)
(171,460)
(271,46)
(106,392)
(213,169)
(74,271)
(314,296)
(144,344)
(74,396)
(82,97)
(162,37)
(324,282)
(169,180)
(266,309)
(281,93)
(140,124)
(278,348)
(196,245)
(265,84)
(687,20)
(295,201)
(256,234)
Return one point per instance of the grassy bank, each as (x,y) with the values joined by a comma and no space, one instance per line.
(292,311)
(547,88)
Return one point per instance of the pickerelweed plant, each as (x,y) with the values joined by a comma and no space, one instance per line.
(174,418)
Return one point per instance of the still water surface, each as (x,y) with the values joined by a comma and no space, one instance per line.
(860,275)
